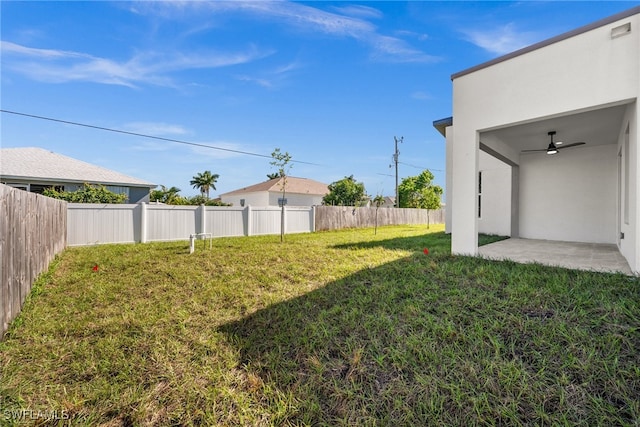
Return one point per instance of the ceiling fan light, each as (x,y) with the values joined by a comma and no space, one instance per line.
(552,149)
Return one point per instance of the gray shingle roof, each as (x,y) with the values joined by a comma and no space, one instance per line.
(33,163)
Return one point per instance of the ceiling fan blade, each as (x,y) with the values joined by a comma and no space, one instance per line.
(571,145)
(533,151)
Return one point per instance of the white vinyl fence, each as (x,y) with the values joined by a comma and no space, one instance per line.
(90,224)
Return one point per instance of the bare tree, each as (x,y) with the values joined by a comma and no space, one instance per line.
(282,161)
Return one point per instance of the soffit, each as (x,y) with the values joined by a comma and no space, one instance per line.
(596,127)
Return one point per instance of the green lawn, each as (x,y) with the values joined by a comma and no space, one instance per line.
(335,328)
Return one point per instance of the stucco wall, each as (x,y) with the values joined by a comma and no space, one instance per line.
(449,179)
(294,199)
(630,244)
(496,196)
(569,196)
(264,198)
(252,199)
(587,71)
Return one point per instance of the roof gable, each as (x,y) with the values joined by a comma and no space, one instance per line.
(34,163)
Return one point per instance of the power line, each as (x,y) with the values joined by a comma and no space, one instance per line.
(420,167)
(177,141)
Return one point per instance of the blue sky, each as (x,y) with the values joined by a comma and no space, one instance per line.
(332,83)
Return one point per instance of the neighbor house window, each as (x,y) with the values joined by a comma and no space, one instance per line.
(242,202)
(480,194)
(24,187)
(118,190)
(38,188)
(281,200)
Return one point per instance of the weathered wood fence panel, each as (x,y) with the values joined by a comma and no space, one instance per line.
(33,230)
(336,217)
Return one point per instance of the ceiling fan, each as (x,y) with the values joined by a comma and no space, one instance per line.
(554,146)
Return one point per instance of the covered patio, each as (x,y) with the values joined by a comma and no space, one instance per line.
(543,146)
(574,255)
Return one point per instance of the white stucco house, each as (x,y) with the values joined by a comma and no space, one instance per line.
(584,86)
(299,192)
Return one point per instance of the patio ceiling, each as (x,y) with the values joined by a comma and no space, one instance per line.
(595,127)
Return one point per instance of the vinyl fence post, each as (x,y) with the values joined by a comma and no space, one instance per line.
(313,219)
(247,225)
(284,220)
(203,217)
(143,222)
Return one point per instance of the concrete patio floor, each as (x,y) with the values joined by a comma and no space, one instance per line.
(581,256)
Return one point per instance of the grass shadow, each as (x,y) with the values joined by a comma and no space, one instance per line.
(445,341)
(436,243)
(323,330)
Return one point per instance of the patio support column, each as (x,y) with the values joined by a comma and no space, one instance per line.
(634,141)
(448,183)
(464,212)
(515,201)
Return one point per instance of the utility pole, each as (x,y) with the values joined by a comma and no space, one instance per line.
(395,161)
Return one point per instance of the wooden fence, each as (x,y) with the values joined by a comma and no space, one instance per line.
(336,217)
(33,230)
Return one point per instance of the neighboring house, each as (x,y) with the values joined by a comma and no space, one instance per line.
(35,169)
(299,192)
(584,85)
(389,202)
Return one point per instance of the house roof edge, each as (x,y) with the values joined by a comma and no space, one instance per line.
(597,24)
(442,124)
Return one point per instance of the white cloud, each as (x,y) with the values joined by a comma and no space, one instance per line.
(265,83)
(271,79)
(13,48)
(349,23)
(395,50)
(60,66)
(421,95)
(501,40)
(413,34)
(359,11)
(155,128)
(220,150)
(153,146)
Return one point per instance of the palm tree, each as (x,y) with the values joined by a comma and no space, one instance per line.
(171,194)
(165,195)
(205,181)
